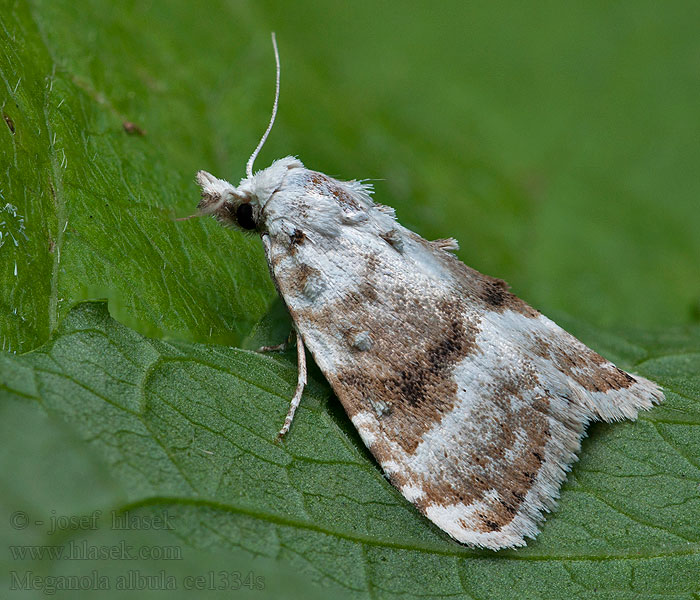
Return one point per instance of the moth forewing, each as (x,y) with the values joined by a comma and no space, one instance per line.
(473,403)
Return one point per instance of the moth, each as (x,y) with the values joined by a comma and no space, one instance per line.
(473,403)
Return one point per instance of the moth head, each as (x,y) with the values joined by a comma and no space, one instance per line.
(226,203)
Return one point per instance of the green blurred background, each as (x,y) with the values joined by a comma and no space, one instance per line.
(558,142)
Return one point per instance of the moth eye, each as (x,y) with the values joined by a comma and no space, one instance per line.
(244,216)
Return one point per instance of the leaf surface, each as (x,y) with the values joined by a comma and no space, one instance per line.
(557,143)
(192,429)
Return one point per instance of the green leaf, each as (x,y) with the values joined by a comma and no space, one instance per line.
(191,429)
(97,204)
(52,530)
(558,143)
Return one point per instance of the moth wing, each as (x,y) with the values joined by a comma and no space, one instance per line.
(473,403)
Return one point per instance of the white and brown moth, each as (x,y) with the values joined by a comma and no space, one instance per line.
(473,403)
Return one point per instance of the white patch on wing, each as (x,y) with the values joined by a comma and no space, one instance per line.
(314,287)
(460,521)
(366,424)
(391,466)
(412,492)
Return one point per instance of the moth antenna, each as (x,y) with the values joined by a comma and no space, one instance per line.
(251,160)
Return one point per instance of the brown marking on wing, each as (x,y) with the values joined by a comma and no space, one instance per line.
(495,293)
(489,291)
(365,287)
(586,367)
(368,291)
(416,341)
(299,277)
(297,237)
(329,186)
(490,467)
(393,238)
(411,378)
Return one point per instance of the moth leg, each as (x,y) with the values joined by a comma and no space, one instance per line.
(277,347)
(301,382)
